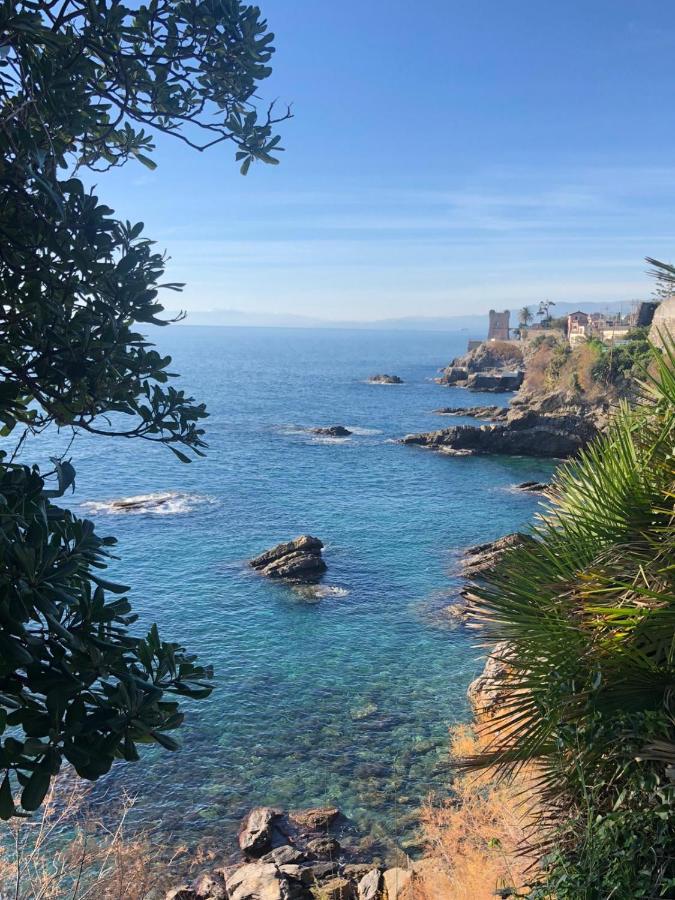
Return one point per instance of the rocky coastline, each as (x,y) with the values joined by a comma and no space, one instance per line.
(474,412)
(542,423)
(295,855)
(302,854)
(555,425)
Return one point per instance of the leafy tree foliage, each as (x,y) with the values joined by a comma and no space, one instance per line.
(588,613)
(84,86)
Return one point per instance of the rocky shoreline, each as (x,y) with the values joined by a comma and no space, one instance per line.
(295,855)
(298,855)
(541,423)
(555,425)
(474,412)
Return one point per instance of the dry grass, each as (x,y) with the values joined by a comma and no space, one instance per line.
(553,367)
(66,851)
(474,840)
(506,350)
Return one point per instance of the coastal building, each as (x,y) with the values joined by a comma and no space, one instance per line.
(498,329)
(610,328)
(577,327)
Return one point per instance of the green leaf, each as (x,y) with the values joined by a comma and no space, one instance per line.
(36,790)
(146,161)
(165,741)
(7,808)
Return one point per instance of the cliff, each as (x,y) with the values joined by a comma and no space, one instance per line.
(563,403)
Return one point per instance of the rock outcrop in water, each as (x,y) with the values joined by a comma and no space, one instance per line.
(474,412)
(299,560)
(478,560)
(294,856)
(335,431)
(533,487)
(385,379)
(550,425)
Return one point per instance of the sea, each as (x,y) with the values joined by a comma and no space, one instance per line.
(342,695)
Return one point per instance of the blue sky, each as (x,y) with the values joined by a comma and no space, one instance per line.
(444,158)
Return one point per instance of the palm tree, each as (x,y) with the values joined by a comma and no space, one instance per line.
(544,311)
(525,317)
(587,611)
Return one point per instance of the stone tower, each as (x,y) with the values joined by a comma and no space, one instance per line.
(498,329)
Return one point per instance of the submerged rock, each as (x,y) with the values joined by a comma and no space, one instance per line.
(332,431)
(317,818)
(299,560)
(533,487)
(385,379)
(143,501)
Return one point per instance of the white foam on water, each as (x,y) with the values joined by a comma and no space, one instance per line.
(327,439)
(161,503)
(291,428)
(363,432)
(319,591)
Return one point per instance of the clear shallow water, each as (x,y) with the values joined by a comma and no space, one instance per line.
(346,700)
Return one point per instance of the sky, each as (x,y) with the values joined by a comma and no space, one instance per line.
(444,157)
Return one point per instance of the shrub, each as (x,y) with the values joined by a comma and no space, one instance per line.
(589,612)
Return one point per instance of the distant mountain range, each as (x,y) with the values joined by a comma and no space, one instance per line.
(474,323)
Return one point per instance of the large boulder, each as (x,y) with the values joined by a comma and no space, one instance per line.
(299,560)
(264,881)
(257,831)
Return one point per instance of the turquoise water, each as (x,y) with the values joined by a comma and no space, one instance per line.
(347,699)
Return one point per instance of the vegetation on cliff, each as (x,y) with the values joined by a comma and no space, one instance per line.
(588,612)
(83,86)
(592,370)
